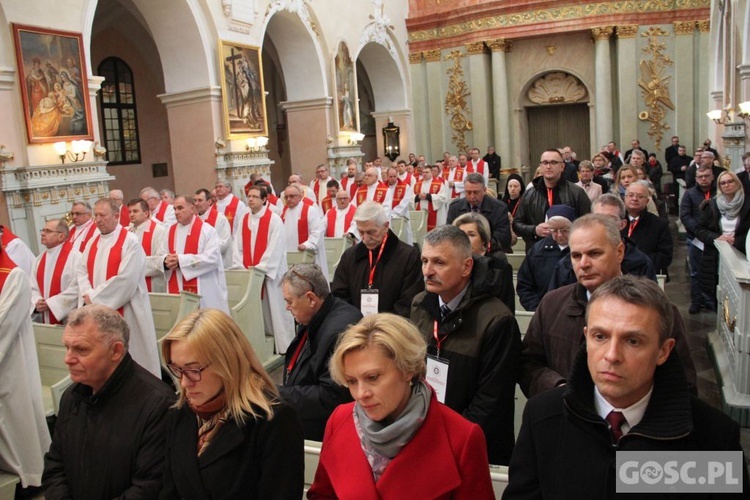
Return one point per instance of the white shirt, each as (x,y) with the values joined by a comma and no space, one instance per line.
(633,414)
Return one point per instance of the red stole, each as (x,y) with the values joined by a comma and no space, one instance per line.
(251,256)
(161,212)
(332,213)
(480,167)
(7,237)
(303,232)
(349,184)
(435,186)
(326,204)
(213,214)
(273,199)
(407,179)
(231,211)
(124,216)
(148,235)
(399,193)
(380,192)
(113,262)
(6,266)
(86,237)
(458,176)
(191,246)
(54,285)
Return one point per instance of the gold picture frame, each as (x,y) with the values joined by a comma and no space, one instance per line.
(243,91)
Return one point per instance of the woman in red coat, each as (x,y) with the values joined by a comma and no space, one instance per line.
(395,440)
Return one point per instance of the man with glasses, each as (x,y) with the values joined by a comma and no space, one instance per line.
(494,210)
(210,214)
(83,228)
(110,430)
(161,211)
(228,204)
(319,185)
(151,236)
(649,232)
(304,225)
(706,159)
(119,197)
(339,219)
(54,282)
(548,190)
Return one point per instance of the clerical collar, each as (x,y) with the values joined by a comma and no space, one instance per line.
(453,304)
(633,414)
(260,212)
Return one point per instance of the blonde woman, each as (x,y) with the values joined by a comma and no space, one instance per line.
(229,436)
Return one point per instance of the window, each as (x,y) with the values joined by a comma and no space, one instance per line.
(119,118)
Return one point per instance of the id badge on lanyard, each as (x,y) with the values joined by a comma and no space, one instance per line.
(369,301)
(437,375)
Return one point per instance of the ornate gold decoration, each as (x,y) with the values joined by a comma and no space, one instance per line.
(431,55)
(476,48)
(654,83)
(627,31)
(551,49)
(499,44)
(730,321)
(684,27)
(602,33)
(556,88)
(455,101)
(643,115)
(555,15)
(703,26)
(415,57)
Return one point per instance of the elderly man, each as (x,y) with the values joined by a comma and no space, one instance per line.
(649,232)
(381,273)
(24,437)
(339,219)
(54,282)
(473,340)
(556,330)
(548,190)
(192,259)
(431,195)
(261,243)
(110,431)
(307,386)
(477,201)
(307,193)
(210,215)
(626,392)
(318,186)
(112,272)
(372,189)
(167,196)
(151,235)
(229,205)
(304,225)
(635,145)
(397,199)
(538,267)
(116,194)
(453,176)
(83,229)
(161,211)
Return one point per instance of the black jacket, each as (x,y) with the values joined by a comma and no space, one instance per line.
(675,166)
(536,271)
(565,449)
(496,213)
(309,388)
(534,206)
(494,162)
(259,459)
(652,236)
(398,275)
(690,208)
(482,342)
(110,444)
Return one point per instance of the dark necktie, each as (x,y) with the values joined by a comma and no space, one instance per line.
(444,311)
(474,208)
(615,419)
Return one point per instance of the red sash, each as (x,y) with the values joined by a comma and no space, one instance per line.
(316,187)
(191,246)
(113,262)
(251,256)
(148,235)
(399,193)
(231,211)
(303,232)
(331,214)
(435,187)
(124,216)
(349,184)
(6,266)
(86,237)
(326,204)
(458,176)
(213,214)
(54,285)
(7,237)
(480,167)
(162,211)
(407,179)
(273,199)
(380,192)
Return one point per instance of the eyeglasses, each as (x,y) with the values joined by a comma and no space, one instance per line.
(298,275)
(554,163)
(253,197)
(559,231)
(727,182)
(636,196)
(192,374)
(78,213)
(706,176)
(48,231)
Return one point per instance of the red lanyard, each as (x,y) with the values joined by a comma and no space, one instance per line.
(550,196)
(438,340)
(513,213)
(707,195)
(633,223)
(380,254)
(298,350)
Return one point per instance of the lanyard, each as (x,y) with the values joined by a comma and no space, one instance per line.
(707,195)
(513,213)
(297,351)
(550,196)
(438,340)
(633,223)
(380,254)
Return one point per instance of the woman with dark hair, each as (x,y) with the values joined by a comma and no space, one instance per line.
(514,189)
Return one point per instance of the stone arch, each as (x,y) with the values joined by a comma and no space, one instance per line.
(385,75)
(7,56)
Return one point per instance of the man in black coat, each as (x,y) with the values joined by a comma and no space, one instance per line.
(381,273)
(494,210)
(321,317)
(617,397)
(672,150)
(649,232)
(635,145)
(494,162)
(744,176)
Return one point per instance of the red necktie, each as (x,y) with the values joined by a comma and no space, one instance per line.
(615,419)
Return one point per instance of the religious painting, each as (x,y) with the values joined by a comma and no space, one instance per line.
(54,87)
(346,91)
(244,101)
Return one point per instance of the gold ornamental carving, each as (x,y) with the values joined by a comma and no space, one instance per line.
(415,57)
(602,33)
(431,55)
(476,48)
(704,26)
(684,27)
(556,88)
(654,83)
(627,31)
(456,105)
(499,45)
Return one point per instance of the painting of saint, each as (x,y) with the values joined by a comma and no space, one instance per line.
(243,91)
(346,90)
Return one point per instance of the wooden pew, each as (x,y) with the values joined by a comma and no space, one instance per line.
(244,289)
(418,221)
(8,483)
(52,368)
(398,226)
(169,308)
(304,257)
(515,260)
(335,247)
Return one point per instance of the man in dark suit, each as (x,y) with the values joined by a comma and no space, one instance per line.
(649,232)
(636,144)
(494,210)
(672,150)
(493,160)
(744,176)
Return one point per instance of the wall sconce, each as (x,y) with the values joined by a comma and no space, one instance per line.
(355,138)
(76,153)
(5,155)
(744,110)
(256,144)
(391,140)
(718,116)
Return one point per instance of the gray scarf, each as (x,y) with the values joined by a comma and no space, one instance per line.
(730,209)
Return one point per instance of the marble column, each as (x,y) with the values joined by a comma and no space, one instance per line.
(603,96)
(684,82)
(480,110)
(501,105)
(435,107)
(308,124)
(627,77)
(704,105)
(420,103)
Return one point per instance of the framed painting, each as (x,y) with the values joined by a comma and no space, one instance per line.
(346,91)
(243,94)
(54,88)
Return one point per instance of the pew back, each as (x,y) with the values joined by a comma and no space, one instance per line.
(52,368)
(334,248)
(418,221)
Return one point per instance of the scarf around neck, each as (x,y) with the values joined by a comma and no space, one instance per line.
(730,209)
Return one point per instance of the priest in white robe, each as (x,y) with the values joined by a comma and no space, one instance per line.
(54,278)
(306,191)
(398,199)
(261,243)
(229,205)
(218,221)
(193,258)
(318,185)
(304,226)
(24,438)
(83,228)
(151,235)
(161,211)
(339,220)
(432,195)
(112,273)
(18,251)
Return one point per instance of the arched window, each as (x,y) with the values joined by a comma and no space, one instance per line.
(119,117)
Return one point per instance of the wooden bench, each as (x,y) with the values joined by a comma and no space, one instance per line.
(54,372)
(169,308)
(244,287)
(304,257)
(8,484)
(418,221)
(398,226)
(335,247)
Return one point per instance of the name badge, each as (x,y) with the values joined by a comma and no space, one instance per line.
(369,301)
(437,375)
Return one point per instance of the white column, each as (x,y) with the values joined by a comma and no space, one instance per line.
(627,60)
(501,106)
(603,96)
